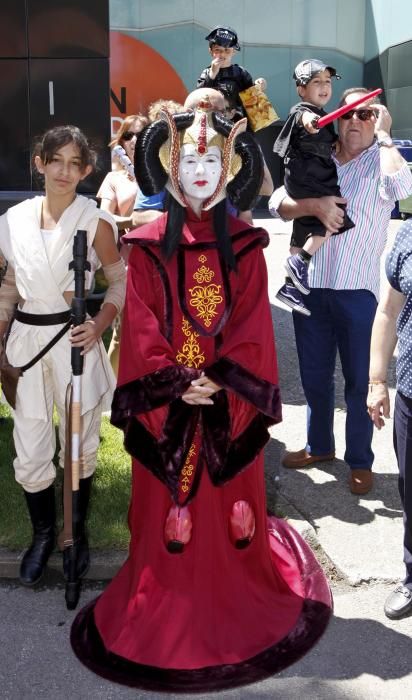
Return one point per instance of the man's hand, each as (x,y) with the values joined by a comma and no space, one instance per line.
(326,209)
(383,121)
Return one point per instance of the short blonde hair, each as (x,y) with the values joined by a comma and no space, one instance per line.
(158,106)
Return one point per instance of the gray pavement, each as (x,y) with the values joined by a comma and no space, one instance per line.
(359,657)
(362,655)
(361,535)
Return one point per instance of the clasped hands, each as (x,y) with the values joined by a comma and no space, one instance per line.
(200,391)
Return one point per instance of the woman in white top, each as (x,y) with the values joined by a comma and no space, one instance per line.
(36,240)
(119,188)
(118,194)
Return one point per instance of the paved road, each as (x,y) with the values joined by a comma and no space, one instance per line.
(362,655)
(359,657)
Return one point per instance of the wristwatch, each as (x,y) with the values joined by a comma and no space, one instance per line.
(385,141)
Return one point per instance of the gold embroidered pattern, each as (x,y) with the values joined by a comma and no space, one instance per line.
(205,300)
(190,355)
(188,468)
(203,274)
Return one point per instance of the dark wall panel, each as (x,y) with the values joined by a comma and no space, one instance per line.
(14,125)
(399,101)
(400,65)
(13,34)
(73,91)
(54,69)
(392,70)
(68,28)
(375,73)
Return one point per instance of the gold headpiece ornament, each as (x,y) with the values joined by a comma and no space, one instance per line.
(202,135)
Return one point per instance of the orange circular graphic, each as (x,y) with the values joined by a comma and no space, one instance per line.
(139,75)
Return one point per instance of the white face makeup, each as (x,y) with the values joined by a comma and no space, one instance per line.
(199,174)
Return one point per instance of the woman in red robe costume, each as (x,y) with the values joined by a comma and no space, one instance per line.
(214,593)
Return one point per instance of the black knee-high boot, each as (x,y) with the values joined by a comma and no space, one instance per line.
(42,510)
(81,506)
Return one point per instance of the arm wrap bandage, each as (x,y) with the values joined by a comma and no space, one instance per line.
(9,295)
(115,275)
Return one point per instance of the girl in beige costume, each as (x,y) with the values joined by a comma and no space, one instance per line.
(36,239)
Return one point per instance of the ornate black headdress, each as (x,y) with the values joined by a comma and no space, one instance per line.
(157,156)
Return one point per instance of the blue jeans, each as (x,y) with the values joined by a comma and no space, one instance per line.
(341,320)
(402,440)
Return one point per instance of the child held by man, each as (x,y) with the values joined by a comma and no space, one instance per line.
(309,172)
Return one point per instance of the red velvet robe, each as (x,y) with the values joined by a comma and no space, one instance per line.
(214,615)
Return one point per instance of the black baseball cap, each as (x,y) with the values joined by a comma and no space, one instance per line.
(306,70)
(223,36)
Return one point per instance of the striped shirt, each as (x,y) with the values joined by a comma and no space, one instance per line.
(352,259)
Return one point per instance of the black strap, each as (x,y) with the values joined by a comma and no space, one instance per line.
(44,350)
(47,347)
(42,319)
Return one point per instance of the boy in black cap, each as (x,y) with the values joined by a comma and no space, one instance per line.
(309,172)
(221,74)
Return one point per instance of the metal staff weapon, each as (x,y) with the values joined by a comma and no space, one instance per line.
(318,122)
(73,424)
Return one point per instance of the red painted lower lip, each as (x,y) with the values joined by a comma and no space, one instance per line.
(200,183)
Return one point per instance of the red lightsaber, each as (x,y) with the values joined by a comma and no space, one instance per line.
(323,121)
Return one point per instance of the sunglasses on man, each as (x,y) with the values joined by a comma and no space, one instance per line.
(363,114)
(128,135)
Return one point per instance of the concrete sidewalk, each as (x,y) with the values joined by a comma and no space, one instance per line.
(358,540)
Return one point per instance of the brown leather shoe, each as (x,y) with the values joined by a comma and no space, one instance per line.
(300,459)
(360,481)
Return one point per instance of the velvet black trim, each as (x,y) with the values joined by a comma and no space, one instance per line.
(149,392)
(165,458)
(243,450)
(142,445)
(224,459)
(262,394)
(89,648)
(311,624)
(182,297)
(216,428)
(250,246)
(260,235)
(178,435)
(167,294)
